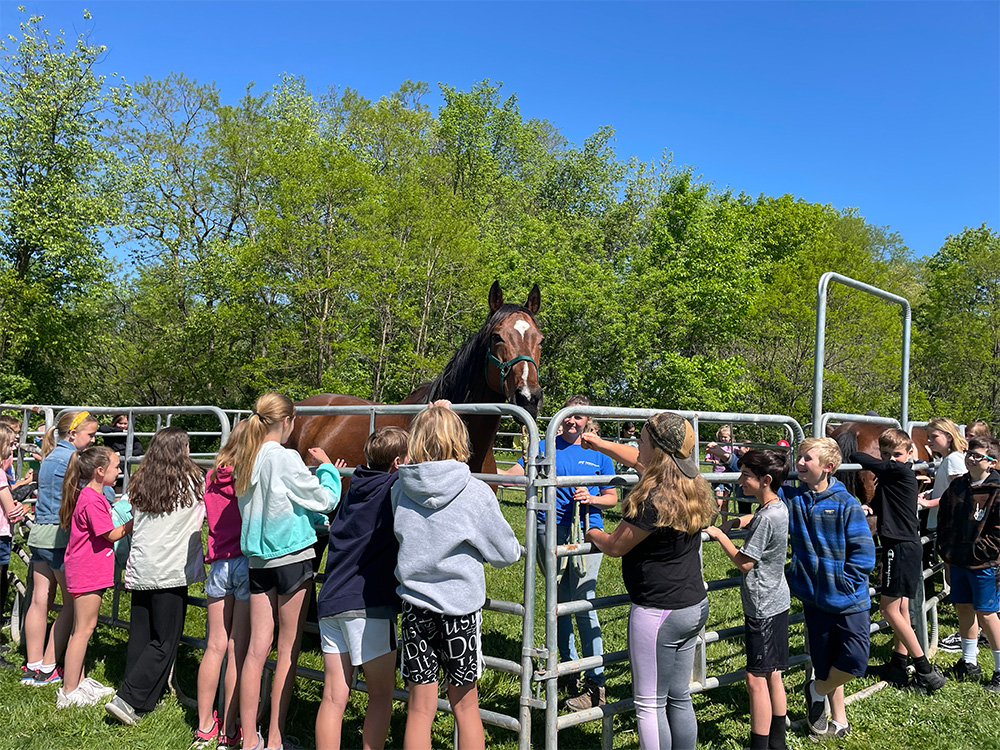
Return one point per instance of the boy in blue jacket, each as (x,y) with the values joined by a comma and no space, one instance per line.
(358,603)
(832,556)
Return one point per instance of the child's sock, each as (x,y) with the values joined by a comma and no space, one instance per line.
(758,741)
(776,738)
(922,665)
(996,660)
(898,660)
(47,667)
(837,725)
(34,665)
(970,650)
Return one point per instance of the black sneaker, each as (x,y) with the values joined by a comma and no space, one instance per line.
(951,643)
(930,681)
(895,676)
(815,710)
(965,671)
(993,686)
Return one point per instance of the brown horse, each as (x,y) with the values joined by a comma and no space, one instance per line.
(863,436)
(497,364)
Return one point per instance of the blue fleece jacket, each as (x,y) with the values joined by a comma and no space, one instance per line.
(832,548)
(361,560)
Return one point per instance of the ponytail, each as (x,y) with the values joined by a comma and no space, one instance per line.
(69,420)
(81,469)
(268,411)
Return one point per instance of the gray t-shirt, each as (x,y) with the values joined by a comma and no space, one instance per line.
(764,590)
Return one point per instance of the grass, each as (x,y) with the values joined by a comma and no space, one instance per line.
(959,717)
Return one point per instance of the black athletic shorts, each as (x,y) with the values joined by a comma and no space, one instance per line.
(287,579)
(767,643)
(431,641)
(902,573)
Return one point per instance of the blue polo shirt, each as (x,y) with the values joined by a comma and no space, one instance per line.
(574,460)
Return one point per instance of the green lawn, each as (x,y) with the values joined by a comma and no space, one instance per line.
(959,716)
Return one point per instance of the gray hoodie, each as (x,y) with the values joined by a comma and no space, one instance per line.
(447,524)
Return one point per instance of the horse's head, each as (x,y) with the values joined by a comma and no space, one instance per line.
(515,347)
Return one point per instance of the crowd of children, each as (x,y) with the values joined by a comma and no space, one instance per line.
(408,542)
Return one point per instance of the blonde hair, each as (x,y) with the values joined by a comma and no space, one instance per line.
(945,425)
(437,434)
(827,450)
(62,429)
(268,410)
(894,438)
(681,503)
(7,437)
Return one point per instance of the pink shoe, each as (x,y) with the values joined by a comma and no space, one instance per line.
(202,739)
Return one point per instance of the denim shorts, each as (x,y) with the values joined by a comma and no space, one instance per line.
(980,588)
(4,549)
(229,576)
(51,557)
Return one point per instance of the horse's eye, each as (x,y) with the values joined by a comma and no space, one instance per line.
(496,338)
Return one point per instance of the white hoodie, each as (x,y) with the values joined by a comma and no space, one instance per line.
(448,524)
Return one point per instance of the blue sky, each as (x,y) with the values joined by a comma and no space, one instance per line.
(890,107)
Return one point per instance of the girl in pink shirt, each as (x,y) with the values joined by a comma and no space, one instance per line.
(228,592)
(90,562)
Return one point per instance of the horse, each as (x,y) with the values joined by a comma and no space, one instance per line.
(497,364)
(863,437)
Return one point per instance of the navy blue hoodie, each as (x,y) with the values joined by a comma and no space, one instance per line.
(361,560)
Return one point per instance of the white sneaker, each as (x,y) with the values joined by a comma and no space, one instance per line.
(78,697)
(99,690)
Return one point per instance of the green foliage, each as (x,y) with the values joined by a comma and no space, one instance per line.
(56,197)
(960,324)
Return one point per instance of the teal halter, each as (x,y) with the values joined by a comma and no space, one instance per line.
(504,367)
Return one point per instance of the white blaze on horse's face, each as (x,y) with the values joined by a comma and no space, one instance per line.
(525,391)
(521,327)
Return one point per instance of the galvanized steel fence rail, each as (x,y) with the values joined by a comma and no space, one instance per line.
(539,667)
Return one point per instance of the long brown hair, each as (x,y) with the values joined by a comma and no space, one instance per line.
(268,410)
(681,503)
(167,478)
(79,471)
(62,428)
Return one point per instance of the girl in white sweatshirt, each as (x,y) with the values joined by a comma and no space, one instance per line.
(281,504)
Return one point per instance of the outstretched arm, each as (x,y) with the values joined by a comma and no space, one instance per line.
(620,452)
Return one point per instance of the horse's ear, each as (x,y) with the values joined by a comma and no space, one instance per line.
(496,297)
(534,300)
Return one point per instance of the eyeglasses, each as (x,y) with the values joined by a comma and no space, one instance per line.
(979,457)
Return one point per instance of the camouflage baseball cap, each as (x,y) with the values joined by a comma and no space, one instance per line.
(675,436)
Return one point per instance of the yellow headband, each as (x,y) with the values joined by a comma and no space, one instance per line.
(78,419)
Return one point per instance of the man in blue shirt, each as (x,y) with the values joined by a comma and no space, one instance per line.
(578,575)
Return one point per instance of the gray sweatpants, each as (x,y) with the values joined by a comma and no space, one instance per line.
(661,648)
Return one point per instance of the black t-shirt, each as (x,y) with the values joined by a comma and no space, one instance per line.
(895,501)
(663,571)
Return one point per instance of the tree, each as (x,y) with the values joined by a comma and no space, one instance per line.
(959,327)
(58,192)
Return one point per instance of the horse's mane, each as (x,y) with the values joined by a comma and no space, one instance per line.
(468,365)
